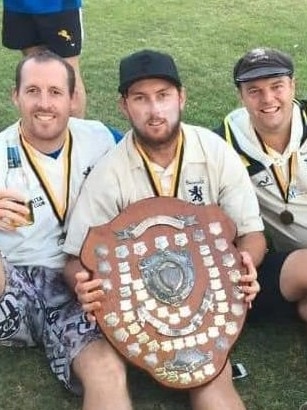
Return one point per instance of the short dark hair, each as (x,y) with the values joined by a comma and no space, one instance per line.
(45,56)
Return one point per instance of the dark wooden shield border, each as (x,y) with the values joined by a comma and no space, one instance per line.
(186,342)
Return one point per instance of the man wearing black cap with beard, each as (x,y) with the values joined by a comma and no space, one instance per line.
(270,134)
(161,156)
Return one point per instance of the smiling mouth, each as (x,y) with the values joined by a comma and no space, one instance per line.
(271,110)
(44,117)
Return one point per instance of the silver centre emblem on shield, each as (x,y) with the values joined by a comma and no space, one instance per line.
(168,275)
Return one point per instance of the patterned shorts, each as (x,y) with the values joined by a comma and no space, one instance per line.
(37,308)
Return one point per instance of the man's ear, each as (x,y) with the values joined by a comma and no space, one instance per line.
(122,103)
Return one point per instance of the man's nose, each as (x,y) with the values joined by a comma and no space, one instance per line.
(267,95)
(44,100)
(155,106)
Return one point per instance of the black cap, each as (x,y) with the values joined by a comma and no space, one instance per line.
(262,63)
(146,64)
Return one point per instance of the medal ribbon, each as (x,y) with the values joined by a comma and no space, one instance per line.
(152,175)
(59,207)
(282,183)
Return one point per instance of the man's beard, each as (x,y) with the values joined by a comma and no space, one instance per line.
(147,140)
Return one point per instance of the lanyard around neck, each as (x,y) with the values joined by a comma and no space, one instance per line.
(282,183)
(152,175)
(59,208)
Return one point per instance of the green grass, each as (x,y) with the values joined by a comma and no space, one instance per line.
(206,37)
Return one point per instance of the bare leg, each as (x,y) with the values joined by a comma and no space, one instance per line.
(302,309)
(2,276)
(32,50)
(103,376)
(218,394)
(79,103)
(80,93)
(293,280)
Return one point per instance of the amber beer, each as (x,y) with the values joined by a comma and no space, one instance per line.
(17,179)
(29,217)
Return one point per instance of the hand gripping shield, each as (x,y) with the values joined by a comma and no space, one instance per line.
(173,304)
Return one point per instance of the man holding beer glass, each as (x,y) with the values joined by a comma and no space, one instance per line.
(44,157)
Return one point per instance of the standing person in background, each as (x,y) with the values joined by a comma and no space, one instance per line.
(57,153)
(270,134)
(34,25)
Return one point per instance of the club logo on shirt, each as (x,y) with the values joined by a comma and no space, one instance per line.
(196,193)
(38,202)
(262,180)
(195,190)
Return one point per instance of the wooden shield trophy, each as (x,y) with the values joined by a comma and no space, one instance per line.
(173,304)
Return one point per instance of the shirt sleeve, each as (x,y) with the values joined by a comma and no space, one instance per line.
(90,210)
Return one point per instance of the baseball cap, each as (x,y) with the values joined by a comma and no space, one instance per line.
(262,63)
(146,64)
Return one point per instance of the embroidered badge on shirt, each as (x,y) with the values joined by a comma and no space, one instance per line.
(196,190)
(262,179)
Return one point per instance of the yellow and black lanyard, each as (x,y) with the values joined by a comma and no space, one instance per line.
(283,183)
(152,175)
(59,207)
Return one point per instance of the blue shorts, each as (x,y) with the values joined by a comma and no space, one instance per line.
(270,305)
(37,308)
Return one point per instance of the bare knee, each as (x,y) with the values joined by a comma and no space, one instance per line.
(33,50)
(2,277)
(99,365)
(293,277)
(302,309)
(218,394)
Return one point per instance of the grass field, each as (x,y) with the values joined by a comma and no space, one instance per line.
(205,37)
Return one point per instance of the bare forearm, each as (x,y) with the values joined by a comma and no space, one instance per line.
(73,266)
(255,244)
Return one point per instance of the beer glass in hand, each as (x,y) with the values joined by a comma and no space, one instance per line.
(17,182)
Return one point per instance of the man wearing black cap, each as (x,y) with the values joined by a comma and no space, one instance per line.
(161,156)
(270,134)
